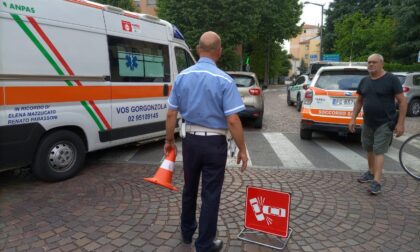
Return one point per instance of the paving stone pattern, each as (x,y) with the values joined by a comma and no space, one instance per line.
(108,207)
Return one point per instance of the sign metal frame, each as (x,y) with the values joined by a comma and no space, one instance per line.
(254,234)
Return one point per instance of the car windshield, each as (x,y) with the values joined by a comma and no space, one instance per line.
(243,81)
(401,78)
(340,79)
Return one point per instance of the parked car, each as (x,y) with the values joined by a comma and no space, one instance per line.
(328,103)
(296,91)
(252,96)
(411,88)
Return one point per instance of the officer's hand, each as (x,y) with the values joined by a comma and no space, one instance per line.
(244,158)
(399,129)
(168,146)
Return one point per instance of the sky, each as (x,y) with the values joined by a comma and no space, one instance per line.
(311,14)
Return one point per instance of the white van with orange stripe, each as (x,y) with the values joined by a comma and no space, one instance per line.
(328,103)
(77,76)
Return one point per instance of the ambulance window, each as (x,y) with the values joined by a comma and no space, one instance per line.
(138,61)
(183,59)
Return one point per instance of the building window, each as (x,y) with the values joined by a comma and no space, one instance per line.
(151,2)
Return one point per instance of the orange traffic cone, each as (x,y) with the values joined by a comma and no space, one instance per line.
(163,176)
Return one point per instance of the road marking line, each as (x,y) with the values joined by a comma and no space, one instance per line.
(286,151)
(411,161)
(344,154)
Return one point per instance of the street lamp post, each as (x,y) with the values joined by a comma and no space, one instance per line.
(322,21)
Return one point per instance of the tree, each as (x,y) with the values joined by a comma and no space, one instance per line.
(279,61)
(123,4)
(234,20)
(407,15)
(278,22)
(359,35)
(339,9)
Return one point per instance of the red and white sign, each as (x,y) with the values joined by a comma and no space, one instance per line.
(126,26)
(267,211)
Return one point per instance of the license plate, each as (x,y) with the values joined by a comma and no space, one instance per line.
(343,101)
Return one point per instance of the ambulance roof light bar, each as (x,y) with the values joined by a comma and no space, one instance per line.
(114,9)
(150,17)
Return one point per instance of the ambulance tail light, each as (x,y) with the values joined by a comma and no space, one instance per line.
(309,95)
(255,91)
(406,89)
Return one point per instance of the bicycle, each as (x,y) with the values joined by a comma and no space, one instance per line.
(409,156)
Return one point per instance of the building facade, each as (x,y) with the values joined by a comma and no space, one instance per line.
(146,6)
(306,46)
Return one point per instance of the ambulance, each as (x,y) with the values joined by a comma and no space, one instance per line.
(77,76)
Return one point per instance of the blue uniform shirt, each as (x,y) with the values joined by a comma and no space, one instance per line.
(204,95)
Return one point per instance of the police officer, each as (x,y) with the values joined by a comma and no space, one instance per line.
(208,101)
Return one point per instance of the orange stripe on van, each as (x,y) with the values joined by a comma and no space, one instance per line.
(89,4)
(330,116)
(319,91)
(52,94)
(1,96)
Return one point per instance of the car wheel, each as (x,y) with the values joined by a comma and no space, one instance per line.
(414,108)
(289,102)
(305,134)
(298,103)
(258,122)
(60,156)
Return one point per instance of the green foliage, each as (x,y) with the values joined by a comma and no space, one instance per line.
(279,61)
(123,4)
(339,9)
(278,22)
(236,21)
(229,61)
(397,67)
(407,14)
(359,35)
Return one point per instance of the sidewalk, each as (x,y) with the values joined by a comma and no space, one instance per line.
(108,207)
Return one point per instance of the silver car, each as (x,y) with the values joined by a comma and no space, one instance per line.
(252,96)
(411,87)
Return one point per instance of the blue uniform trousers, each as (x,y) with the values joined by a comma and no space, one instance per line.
(206,156)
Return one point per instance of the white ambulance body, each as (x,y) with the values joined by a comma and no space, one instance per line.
(77,76)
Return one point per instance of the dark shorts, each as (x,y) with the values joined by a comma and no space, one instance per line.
(376,140)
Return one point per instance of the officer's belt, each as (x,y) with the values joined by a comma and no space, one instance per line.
(194,129)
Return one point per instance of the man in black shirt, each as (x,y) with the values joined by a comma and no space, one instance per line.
(377,94)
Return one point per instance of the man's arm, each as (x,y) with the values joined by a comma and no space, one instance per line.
(171,117)
(399,128)
(235,128)
(356,110)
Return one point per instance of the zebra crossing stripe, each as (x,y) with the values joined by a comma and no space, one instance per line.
(353,160)
(287,152)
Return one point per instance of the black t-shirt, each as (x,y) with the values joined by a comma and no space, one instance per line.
(374,105)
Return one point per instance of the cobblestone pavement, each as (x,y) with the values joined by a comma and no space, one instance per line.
(108,207)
